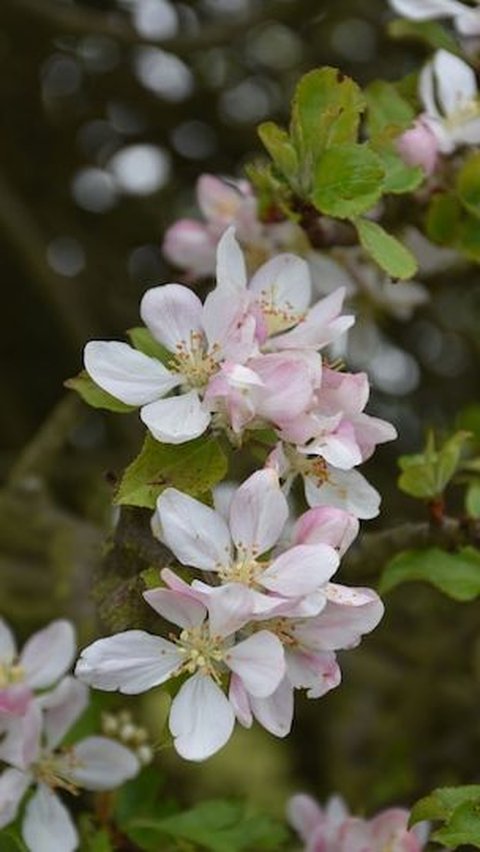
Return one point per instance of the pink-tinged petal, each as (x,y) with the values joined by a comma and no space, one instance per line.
(344,489)
(389,829)
(370,431)
(316,672)
(131,662)
(301,569)
(327,525)
(259,661)
(218,200)
(418,146)
(172,313)
(20,745)
(229,608)
(304,815)
(62,707)
(258,512)
(354,835)
(339,448)
(349,614)
(8,647)
(189,245)
(48,654)
(177,419)
(176,607)
(223,494)
(424,10)
(13,786)
(278,461)
(321,326)
(455,80)
(197,535)
(229,326)
(14,700)
(275,713)
(126,373)
(102,764)
(303,607)
(345,392)
(201,718)
(287,386)
(174,582)
(231,269)
(47,825)
(238,697)
(283,288)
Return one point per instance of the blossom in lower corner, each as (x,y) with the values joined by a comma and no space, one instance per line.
(466,18)
(332,829)
(31,746)
(44,659)
(201,717)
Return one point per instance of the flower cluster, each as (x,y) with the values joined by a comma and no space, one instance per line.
(466,18)
(261,616)
(39,705)
(333,829)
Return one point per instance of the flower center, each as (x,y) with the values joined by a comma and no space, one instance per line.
(10,674)
(282,628)
(202,652)
(54,769)
(315,466)
(278,318)
(466,111)
(194,362)
(246,569)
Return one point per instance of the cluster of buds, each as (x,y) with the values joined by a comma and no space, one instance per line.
(261,617)
(39,704)
(120,726)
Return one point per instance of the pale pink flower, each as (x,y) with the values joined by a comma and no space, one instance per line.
(201,538)
(32,747)
(449,93)
(465,18)
(418,146)
(332,829)
(44,659)
(201,716)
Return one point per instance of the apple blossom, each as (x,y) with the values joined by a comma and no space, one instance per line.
(201,716)
(332,829)
(201,538)
(466,18)
(32,748)
(44,659)
(449,94)
(418,146)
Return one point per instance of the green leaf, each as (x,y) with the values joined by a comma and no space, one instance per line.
(279,146)
(426,475)
(386,250)
(399,178)
(326,112)
(10,841)
(139,796)
(442,803)
(472,499)
(194,467)
(429,33)
(348,180)
(443,218)
(468,238)
(455,574)
(468,184)
(219,826)
(144,341)
(95,396)
(386,108)
(463,828)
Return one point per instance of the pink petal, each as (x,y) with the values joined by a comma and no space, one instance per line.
(189,245)
(327,525)
(304,814)
(218,200)
(275,713)
(239,699)
(8,647)
(231,269)
(201,718)
(343,622)
(21,742)
(259,661)
(230,607)
(176,607)
(258,512)
(321,326)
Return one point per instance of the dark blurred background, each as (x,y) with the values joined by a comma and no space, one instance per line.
(110,111)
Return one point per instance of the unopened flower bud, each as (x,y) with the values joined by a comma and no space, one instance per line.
(418,146)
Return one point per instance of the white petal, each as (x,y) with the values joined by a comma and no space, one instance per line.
(179,609)
(48,654)
(426,91)
(102,764)
(197,535)
(259,661)
(172,313)
(300,570)
(283,283)
(231,270)
(48,826)
(131,662)
(345,489)
(177,419)
(275,713)
(424,10)
(321,326)
(229,608)
(304,814)
(349,614)
(126,373)
(239,699)
(201,718)
(468,22)
(20,745)
(456,82)
(327,525)
(8,648)
(62,707)
(318,672)
(258,512)
(13,786)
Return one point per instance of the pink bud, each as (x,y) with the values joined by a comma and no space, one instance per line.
(188,245)
(418,146)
